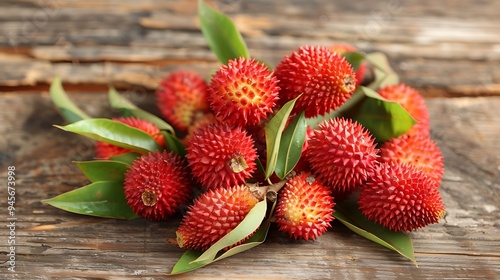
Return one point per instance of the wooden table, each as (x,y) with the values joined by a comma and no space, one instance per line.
(449,50)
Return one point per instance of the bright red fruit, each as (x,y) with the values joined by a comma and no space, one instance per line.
(221,156)
(157,184)
(213,215)
(325,80)
(401,198)
(305,207)
(243,92)
(342,153)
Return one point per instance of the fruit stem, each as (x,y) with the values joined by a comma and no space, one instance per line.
(269,192)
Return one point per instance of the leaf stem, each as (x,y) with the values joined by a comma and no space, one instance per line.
(269,192)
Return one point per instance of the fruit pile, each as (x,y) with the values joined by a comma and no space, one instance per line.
(224,120)
(297,138)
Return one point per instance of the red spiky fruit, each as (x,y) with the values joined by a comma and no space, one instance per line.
(325,80)
(157,184)
(105,150)
(342,153)
(419,151)
(305,207)
(221,156)
(401,198)
(343,48)
(182,98)
(243,92)
(213,215)
(413,102)
(198,123)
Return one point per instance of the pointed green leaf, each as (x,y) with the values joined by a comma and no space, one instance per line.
(101,199)
(256,239)
(384,119)
(127,108)
(249,224)
(187,261)
(348,213)
(103,170)
(127,158)
(291,144)
(186,264)
(173,144)
(384,74)
(115,133)
(221,34)
(64,105)
(354,58)
(274,130)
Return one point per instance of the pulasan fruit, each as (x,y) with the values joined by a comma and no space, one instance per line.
(305,207)
(221,156)
(213,215)
(324,78)
(157,184)
(243,92)
(342,153)
(401,198)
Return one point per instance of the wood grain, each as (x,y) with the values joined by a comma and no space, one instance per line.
(448,49)
(444,48)
(53,244)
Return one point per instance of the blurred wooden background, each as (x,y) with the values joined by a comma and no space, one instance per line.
(449,48)
(444,48)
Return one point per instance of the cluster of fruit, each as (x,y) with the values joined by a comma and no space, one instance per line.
(223,123)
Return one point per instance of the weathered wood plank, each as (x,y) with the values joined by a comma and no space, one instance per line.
(55,244)
(433,46)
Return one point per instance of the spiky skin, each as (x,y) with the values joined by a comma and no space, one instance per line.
(413,102)
(325,80)
(221,156)
(304,208)
(419,151)
(401,198)
(157,184)
(105,150)
(343,48)
(182,98)
(213,215)
(342,153)
(198,123)
(243,92)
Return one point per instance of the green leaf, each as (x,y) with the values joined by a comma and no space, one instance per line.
(127,158)
(114,133)
(186,264)
(348,213)
(383,118)
(173,144)
(249,224)
(221,34)
(256,239)
(64,105)
(127,108)
(291,144)
(354,58)
(384,74)
(273,131)
(103,170)
(101,199)
(188,260)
